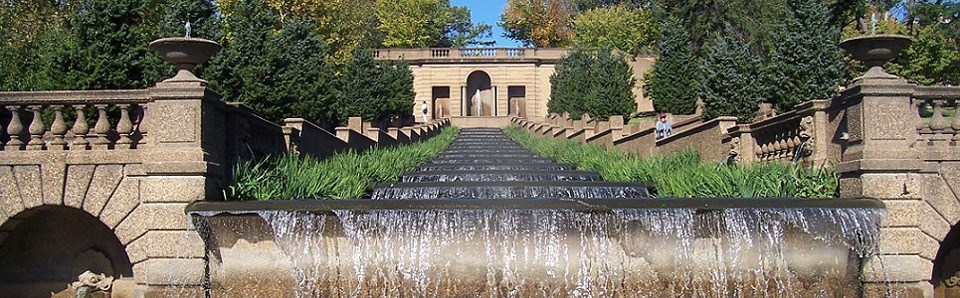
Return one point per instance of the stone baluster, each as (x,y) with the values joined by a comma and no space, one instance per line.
(938,123)
(955,124)
(14,129)
(58,129)
(80,130)
(36,129)
(758,151)
(124,127)
(101,128)
(919,105)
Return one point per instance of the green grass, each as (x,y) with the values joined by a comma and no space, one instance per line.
(682,175)
(343,176)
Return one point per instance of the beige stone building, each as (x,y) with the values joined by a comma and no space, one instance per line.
(480,82)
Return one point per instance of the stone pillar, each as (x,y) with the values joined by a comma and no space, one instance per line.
(183,162)
(879,161)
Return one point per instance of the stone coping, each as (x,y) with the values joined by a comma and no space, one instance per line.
(206,208)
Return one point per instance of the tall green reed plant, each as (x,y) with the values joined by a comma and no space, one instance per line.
(682,174)
(346,175)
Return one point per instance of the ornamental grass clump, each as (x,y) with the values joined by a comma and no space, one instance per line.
(682,175)
(346,175)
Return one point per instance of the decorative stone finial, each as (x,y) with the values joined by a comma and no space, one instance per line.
(186,28)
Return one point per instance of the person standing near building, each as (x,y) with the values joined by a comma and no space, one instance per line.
(426,109)
(664,128)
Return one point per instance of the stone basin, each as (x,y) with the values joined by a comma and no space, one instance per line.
(537,247)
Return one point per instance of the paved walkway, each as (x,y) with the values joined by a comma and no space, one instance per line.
(483,163)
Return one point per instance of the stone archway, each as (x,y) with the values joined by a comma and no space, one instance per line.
(479,99)
(49,246)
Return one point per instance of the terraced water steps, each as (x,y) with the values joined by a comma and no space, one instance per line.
(486,164)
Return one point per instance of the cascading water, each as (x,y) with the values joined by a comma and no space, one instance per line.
(489,219)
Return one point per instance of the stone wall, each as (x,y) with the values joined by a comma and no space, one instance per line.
(873,135)
(130,161)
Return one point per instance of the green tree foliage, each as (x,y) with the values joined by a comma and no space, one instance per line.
(596,82)
(751,20)
(374,91)
(674,83)
(934,55)
(931,59)
(585,5)
(427,23)
(279,69)
(629,30)
(33,40)
(732,80)
(462,32)
(806,62)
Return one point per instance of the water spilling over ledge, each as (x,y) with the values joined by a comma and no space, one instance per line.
(538,247)
(488,218)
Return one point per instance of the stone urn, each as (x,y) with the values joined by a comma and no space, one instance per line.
(185,53)
(875,51)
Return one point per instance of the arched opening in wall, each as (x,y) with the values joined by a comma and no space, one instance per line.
(479,99)
(946,267)
(49,246)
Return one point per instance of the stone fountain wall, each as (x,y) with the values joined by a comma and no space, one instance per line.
(873,135)
(172,144)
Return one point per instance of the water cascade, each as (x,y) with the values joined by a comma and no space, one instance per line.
(480,228)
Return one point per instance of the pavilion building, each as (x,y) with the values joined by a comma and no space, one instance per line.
(491,82)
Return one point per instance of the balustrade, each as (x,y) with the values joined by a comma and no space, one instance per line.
(440,53)
(785,138)
(514,52)
(478,52)
(932,105)
(58,120)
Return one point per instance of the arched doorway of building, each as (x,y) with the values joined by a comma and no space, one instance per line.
(480,98)
(49,246)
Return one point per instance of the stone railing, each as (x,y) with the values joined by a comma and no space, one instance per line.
(470,53)
(74,120)
(933,127)
(806,134)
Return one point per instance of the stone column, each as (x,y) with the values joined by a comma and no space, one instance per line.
(879,161)
(183,163)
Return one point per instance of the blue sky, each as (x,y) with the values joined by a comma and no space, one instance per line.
(488,12)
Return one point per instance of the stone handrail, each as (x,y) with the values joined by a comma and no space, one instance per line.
(470,53)
(937,98)
(70,116)
(789,137)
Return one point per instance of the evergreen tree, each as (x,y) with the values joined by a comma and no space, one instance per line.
(596,82)
(111,46)
(362,90)
(398,80)
(732,81)
(568,84)
(674,83)
(806,62)
(279,69)
(612,90)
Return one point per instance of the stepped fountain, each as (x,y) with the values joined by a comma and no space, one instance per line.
(468,224)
